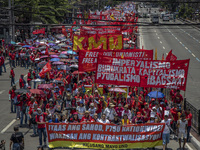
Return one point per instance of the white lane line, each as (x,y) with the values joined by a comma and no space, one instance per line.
(186,48)
(160,42)
(158,37)
(8,126)
(1,92)
(156,33)
(163,47)
(155,30)
(193,55)
(166,53)
(190,148)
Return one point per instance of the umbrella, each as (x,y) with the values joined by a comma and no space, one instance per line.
(42,64)
(43,52)
(54,56)
(71,52)
(56,81)
(37,43)
(73,60)
(26,46)
(38,80)
(117,90)
(22,91)
(156,94)
(55,59)
(65,60)
(78,72)
(62,56)
(37,91)
(31,47)
(45,86)
(44,56)
(22,44)
(52,44)
(37,59)
(65,67)
(64,52)
(74,67)
(56,47)
(58,63)
(12,42)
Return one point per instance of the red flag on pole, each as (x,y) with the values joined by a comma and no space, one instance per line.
(45,69)
(171,57)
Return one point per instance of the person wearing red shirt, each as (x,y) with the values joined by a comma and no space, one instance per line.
(189,119)
(22,82)
(68,81)
(95,119)
(32,113)
(29,77)
(74,119)
(3,62)
(174,112)
(12,96)
(178,98)
(12,76)
(40,119)
(12,58)
(146,112)
(87,117)
(136,104)
(119,110)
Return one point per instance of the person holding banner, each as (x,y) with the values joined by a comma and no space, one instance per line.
(103,119)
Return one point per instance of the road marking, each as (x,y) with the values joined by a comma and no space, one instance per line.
(160,42)
(163,47)
(1,92)
(193,55)
(190,148)
(155,30)
(8,126)
(156,33)
(166,53)
(186,48)
(158,37)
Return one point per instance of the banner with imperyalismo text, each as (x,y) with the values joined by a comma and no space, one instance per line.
(88,58)
(104,136)
(142,73)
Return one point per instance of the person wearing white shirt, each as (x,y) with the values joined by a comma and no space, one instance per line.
(126,111)
(182,130)
(110,112)
(92,110)
(166,131)
(81,110)
(103,119)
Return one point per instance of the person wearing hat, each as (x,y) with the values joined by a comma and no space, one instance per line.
(75,118)
(166,131)
(12,76)
(86,117)
(110,112)
(81,110)
(92,109)
(138,119)
(126,111)
(40,118)
(146,111)
(95,119)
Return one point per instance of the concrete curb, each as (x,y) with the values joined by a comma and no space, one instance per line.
(183,20)
(195,142)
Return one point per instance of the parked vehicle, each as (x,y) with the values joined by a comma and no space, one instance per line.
(166,17)
(154,18)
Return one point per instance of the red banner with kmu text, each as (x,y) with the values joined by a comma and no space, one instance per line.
(104,136)
(88,58)
(142,73)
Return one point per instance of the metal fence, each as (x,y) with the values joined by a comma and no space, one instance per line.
(195,115)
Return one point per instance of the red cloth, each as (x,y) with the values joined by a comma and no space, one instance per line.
(189,116)
(174,113)
(12,73)
(21,83)
(84,119)
(119,111)
(12,94)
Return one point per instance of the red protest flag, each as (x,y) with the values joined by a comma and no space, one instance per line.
(47,51)
(45,69)
(64,31)
(171,57)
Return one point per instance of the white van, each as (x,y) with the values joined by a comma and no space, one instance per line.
(166,17)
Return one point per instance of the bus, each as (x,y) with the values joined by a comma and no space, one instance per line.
(154,18)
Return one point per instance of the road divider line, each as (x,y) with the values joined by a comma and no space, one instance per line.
(163,47)
(188,146)
(8,126)
(193,55)
(1,92)
(186,48)
(160,42)
(158,37)
(166,53)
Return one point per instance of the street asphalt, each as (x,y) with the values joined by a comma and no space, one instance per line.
(160,37)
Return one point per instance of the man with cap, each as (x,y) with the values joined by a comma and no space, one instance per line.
(110,112)
(22,82)
(40,118)
(138,119)
(166,131)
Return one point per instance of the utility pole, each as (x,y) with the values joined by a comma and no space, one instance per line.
(13,21)
(10,21)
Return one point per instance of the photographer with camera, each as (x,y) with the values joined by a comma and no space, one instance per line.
(17,140)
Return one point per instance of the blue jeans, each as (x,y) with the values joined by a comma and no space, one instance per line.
(34,128)
(40,132)
(188,133)
(22,118)
(13,63)
(12,81)
(18,112)
(99,115)
(166,138)
(16,146)
(11,106)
